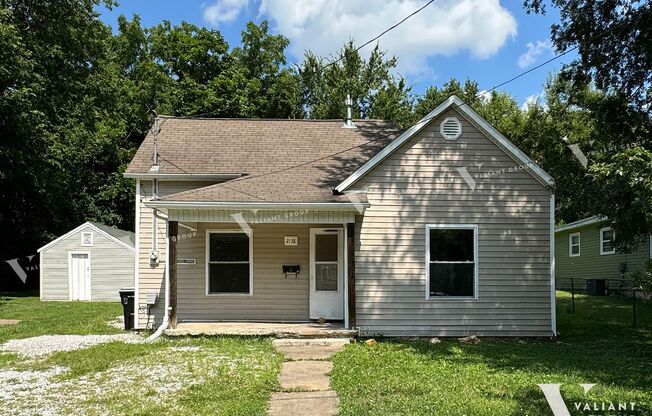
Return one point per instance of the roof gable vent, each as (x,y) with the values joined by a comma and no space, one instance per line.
(451,128)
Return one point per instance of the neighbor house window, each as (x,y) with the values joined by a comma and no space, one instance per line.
(574,245)
(607,240)
(87,239)
(451,261)
(229,267)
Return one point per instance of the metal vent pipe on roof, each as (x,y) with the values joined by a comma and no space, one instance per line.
(348,122)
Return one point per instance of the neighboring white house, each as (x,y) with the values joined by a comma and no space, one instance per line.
(91,262)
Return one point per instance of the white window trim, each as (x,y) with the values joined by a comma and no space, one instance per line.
(251,261)
(476,268)
(82,239)
(570,245)
(602,252)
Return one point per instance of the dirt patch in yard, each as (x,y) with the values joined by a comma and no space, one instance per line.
(48,344)
(153,381)
(9,322)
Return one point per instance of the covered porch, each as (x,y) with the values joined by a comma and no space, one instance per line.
(261,271)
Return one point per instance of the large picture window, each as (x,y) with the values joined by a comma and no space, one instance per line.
(228,266)
(451,261)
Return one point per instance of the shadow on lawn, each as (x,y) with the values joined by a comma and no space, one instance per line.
(597,345)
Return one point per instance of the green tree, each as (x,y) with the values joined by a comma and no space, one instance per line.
(613,40)
(375,91)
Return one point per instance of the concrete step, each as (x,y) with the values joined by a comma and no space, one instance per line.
(311,342)
(310,349)
(313,403)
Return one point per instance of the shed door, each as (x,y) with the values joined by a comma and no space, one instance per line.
(80,276)
(326,274)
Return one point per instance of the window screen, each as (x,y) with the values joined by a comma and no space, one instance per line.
(574,244)
(451,267)
(607,241)
(228,263)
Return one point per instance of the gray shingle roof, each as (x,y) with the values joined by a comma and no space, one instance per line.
(126,237)
(267,152)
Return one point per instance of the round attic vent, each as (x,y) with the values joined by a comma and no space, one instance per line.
(451,128)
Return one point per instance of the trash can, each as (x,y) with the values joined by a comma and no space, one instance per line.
(128,302)
(596,287)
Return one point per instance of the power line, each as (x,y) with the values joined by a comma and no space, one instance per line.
(423,120)
(389,29)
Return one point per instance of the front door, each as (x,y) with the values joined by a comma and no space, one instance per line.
(326,274)
(80,276)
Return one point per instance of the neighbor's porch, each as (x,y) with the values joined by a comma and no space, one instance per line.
(261,272)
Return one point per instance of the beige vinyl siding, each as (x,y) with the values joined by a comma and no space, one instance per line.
(152,278)
(419,184)
(275,297)
(111,267)
(590,264)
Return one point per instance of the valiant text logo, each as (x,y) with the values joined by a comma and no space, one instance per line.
(20,270)
(559,408)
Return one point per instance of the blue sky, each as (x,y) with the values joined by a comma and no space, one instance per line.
(484,40)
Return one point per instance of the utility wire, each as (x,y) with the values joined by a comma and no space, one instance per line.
(389,29)
(421,121)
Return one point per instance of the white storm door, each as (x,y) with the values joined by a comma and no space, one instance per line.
(80,276)
(326,274)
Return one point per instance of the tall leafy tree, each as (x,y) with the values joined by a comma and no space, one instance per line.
(613,40)
(375,90)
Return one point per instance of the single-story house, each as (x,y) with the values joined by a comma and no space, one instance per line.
(585,249)
(443,229)
(91,262)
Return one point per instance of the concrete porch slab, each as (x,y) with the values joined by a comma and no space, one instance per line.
(267,329)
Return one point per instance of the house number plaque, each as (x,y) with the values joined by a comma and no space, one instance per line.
(291,240)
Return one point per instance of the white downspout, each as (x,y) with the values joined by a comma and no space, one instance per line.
(166,287)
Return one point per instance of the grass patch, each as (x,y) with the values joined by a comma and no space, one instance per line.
(199,376)
(60,318)
(597,345)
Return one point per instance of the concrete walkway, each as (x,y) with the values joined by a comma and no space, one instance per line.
(304,377)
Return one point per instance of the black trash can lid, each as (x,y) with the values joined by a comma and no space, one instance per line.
(127,289)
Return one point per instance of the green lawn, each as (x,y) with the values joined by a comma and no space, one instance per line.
(198,376)
(236,376)
(43,318)
(500,377)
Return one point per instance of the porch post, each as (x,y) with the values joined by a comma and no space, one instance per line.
(350,231)
(173,232)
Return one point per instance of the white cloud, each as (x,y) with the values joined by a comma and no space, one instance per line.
(534,51)
(224,11)
(485,96)
(444,28)
(534,99)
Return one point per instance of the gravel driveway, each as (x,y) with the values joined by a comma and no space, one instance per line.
(48,344)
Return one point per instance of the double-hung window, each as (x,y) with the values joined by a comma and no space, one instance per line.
(451,261)
(607,237)
(574,245)
(229,265)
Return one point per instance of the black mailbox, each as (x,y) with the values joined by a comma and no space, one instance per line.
(291,269)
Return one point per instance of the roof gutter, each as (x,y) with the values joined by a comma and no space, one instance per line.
(184,176)
(581,223)
(330,206)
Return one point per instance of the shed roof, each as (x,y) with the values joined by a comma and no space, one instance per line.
(125,238)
